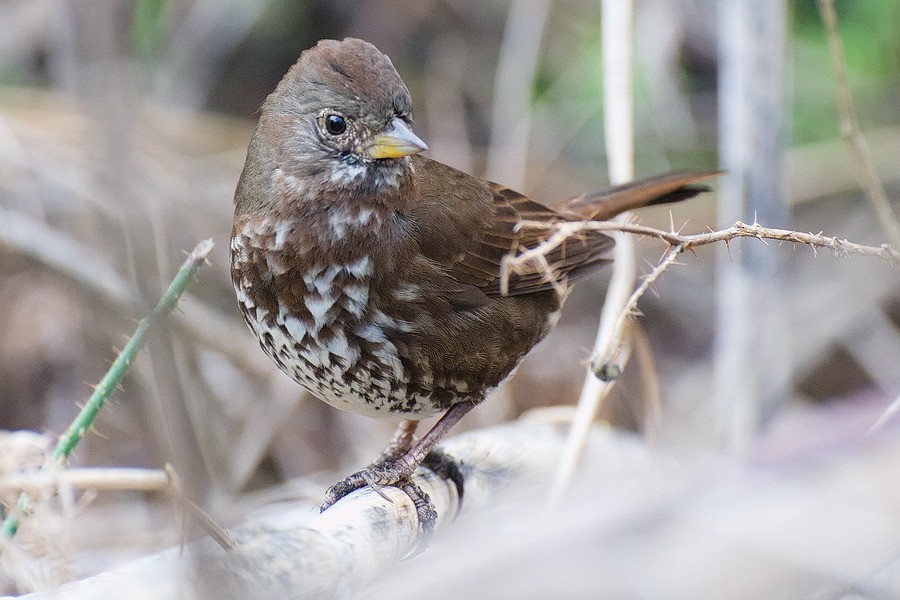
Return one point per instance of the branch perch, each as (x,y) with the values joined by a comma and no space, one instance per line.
(292,551)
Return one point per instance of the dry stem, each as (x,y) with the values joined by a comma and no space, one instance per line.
(618,104)
(86,478)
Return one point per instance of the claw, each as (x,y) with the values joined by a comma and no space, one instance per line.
(426,513)
(370,481)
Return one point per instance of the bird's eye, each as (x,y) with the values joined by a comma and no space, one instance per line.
(335,124)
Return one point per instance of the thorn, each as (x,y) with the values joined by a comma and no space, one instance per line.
(588,359)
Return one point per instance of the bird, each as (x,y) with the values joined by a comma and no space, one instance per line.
(371,274)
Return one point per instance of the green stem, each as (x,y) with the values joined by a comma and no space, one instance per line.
(104,389)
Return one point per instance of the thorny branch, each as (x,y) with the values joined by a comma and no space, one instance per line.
(534,259)
(606,360)
(523,262)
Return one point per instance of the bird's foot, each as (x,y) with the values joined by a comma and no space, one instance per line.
(380,473)
(397,464)
(397,473)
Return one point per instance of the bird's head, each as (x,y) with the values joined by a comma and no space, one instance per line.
(342,117)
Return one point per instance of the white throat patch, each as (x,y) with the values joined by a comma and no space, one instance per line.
(344,173)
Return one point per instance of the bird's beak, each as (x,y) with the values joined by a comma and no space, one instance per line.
(397,140)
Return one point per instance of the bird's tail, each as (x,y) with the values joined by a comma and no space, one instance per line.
(659,189)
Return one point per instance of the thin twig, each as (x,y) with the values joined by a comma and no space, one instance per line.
(104,389)
(527,260)
(850,130)
(689,242)
(889,413)
(85,418)
(218,533)
(607,356)
(130,479)
(604,356)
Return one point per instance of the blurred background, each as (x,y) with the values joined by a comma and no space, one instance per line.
(123,130)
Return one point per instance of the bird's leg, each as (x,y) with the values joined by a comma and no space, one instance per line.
(389,472)
(396,465)
(400,443)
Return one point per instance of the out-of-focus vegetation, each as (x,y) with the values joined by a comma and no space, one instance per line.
(255,42)
(870,31)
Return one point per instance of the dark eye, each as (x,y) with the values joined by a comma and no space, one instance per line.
(335,124)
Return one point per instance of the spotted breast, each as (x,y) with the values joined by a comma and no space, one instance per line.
(324,327)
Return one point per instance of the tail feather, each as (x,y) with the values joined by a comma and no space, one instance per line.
(659,189)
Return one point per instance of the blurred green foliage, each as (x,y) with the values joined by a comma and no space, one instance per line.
(870,32)
(148,29)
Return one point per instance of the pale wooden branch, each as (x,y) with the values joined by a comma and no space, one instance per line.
(778,523)
(850,130)
(627,498)
(293,551)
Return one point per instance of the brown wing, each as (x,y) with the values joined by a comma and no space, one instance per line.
(467,225)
